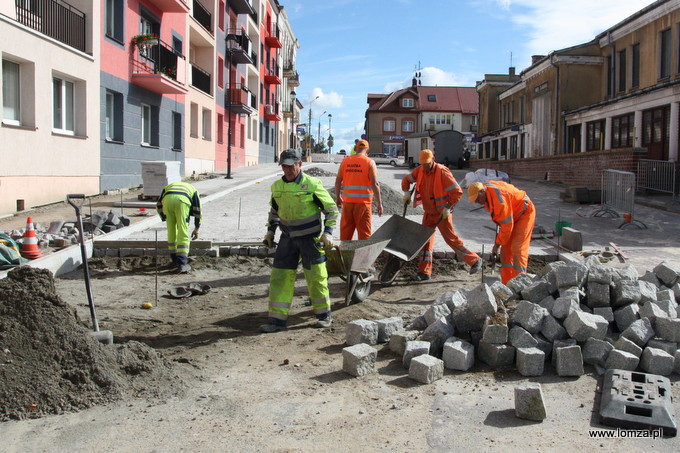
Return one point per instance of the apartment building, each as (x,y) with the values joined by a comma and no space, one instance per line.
(50,101)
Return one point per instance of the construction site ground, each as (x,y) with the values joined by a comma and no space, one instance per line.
(249,392)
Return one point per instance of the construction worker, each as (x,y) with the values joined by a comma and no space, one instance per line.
(354,148)
(297,202)
(177,203)
(355,187)
(437,190)
(514,213)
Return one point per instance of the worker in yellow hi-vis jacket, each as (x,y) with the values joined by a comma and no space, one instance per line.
(177,203)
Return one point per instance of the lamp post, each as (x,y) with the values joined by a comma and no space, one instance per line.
(330,137)
(309,126)
(291,141)
(229,101)
(318,131)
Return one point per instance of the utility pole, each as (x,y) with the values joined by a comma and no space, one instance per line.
(309,127)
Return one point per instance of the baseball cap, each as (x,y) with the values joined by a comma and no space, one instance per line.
(426,156)
(289,157)
(362,144)
(473,190)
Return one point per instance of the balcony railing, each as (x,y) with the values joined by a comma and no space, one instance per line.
(239,99)
(202,16)
(159,68)
(171,6)
(294,79)
(201,79)
(240,47)
(271,112)
(273,39)
(54,18)
(241,6)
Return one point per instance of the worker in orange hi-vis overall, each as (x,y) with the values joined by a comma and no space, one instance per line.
(512,210)
(438,192)
(355,188)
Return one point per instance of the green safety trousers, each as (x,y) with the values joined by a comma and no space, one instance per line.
(176,209)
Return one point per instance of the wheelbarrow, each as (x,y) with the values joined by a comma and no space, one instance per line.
(353,262)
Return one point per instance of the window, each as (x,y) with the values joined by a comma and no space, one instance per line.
(193,112)
(389,125)
(11,93)
(610,75)
(220,72)
(635,69)
(220,128)
(622,131)
(177,131)
(63,106)
(432,98)
(595,135)
(114,116)
(407,103)
(114,19)
(665,54)
(207,123)
(146,124)
(441,118)
(221,15)
(145,26)
(622,71)
(407,126)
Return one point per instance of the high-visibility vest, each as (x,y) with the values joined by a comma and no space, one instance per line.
(356,183)
(189,196)
(442,194)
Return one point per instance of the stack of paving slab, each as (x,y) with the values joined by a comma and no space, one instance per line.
(573,314)
(158,174)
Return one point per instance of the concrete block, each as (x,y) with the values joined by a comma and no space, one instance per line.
(668,329)
(625,316)
(657,361)
(530,361)
(563,307)
(628,273)
(668,346)
(569,361)
(581,326)
(669,307)
(496,355)
(598,295)
(458,354)
(361,331)
(414,349)
(387,327)
(436,311)
(452,299)
(652,311)
(572,239)
(548,303)
(536,292)
(639,332)
(595,352)
(137,252)
(676,290)
(426,369)
(560,344)
(647,292)
(624,344)
(224,251)
(599,274)
(552,329)
(650,277)
(606,312)
(573,291)
(464,321)
(529,402)
(359,359)
(399,339)
(502,292)
(626,292)
(493,332)
(520,338)
(665,294)
(530,316)
(520,282)
(621,360)
(491,279)
(481,302)
(112,252)
(436,334)
(667,273)
(567,276)
(418,323)
(124,252)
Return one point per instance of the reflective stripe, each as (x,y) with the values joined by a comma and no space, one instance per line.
(508,219)
(172,244)
(356,195)
(526,205)
(520,268)
(499,195)
(411,178)
(356,187)
(273,304)
(451,187)
(273,313)
(507,265)
(182,246)
(445,197)
(304,221)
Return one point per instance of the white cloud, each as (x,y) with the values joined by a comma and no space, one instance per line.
(430,76)
(326,101)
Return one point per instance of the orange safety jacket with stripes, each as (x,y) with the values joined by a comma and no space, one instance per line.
(356,181)
(506,203)
(434,190)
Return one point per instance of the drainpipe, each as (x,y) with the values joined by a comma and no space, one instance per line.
(557,101)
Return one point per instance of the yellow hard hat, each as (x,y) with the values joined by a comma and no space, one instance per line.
(473,190)
(426,156)
(362,144)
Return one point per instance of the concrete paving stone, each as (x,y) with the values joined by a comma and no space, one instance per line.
(452,299)
(537,291)
(548,303)
(99,253)
(520,282)
(624,344)
(418,323)
(669,307)
(666,294)
(529,403)
(621,360)
(137,252)
(599,274)
(595,352)
(652,311)
(436,311)
(569,361)
(224,251)
(494,333)
(544,345)
(112,252)
(436,334)
(481,302)
(124,252)
(502,292)
(626,292)
(639,332)
(253,251)
(560,344)
(551,279)
(657,361)
(552,329)
(667,273)
(668,346)
(521,338)
(414,349)
(491,279)
(581,326)
(676,290)
(530,361)
(361,331)
(598,295)
(650,277)
(530,316)
(387,327)
(496,355)
(572,239)
(606,312)
(628,273)
(625,316)
(458,354)
(668,329)
(647,291)
(464,321)
(359,359)
(426,369)
(567,276)
(564,306)
(399,339)
(550,267)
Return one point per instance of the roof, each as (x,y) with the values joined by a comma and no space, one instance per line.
(448,99)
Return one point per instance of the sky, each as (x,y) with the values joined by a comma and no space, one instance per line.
(350,48)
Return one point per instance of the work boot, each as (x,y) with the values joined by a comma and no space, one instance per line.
(274,325)
(325,320)
(183,268)
(476,267)
(420,277)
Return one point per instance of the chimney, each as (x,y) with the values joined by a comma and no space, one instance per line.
(414,83)
(511,70)
(536,58)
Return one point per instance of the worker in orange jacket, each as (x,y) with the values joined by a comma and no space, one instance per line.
(437,190)
(514,213)
(355,187)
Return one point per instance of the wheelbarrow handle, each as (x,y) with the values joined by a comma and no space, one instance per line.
(75,196)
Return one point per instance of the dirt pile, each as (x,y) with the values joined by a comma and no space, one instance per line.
(49,364)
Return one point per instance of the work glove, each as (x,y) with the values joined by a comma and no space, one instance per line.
(194,234)
(327,241)
(269,239)
(407,197)
(446,212)
(494,250)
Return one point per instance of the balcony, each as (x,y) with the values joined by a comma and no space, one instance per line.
(171,6)
(271,112)
(203,16)
(239,99)
(56,19)
(240,47)
(201,79)
(273,39)
(271,77)
(241,6)
(294,79)
(159,68)
(288,110)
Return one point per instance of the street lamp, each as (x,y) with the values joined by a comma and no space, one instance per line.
(229,101)
(293,97)
(309,126)
(318,131)
(330,137)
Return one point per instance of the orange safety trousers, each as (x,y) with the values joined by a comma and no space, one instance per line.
(445,227)
(515,254)
(355,216)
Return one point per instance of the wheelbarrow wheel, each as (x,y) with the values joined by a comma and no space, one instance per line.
(361,290)
(390,270)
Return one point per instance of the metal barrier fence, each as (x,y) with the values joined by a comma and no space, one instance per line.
(658,175)
(618,196)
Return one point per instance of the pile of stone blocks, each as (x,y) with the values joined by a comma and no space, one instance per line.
(572,314)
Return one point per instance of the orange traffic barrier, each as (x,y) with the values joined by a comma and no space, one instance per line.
(29,248)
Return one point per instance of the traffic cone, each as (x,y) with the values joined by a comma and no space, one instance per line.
(29,248)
